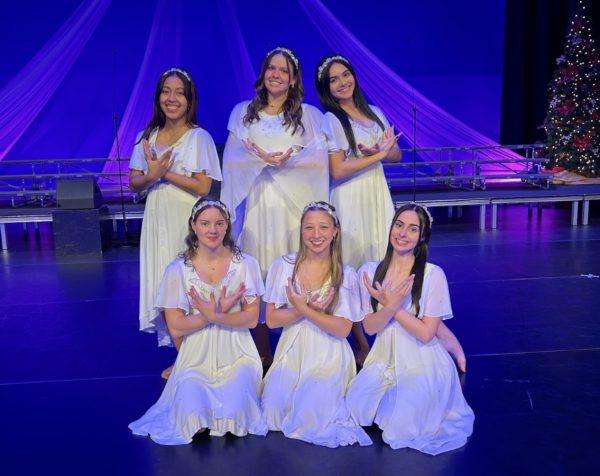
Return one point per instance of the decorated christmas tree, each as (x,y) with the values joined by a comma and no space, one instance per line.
(573,121)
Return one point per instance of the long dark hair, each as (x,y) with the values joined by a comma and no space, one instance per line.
(336,270)
(292,107)
(330,104)
(191,240)
(189,90)
(420,252)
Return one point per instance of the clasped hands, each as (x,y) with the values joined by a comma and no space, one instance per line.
(157,166)
(212,309)
(391,293)
(301,301)
(388,141)
(276,159)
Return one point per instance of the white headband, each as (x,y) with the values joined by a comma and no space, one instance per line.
(287,51)
(327,62)
(210,203)
(326,207)
(180,71)
(424,208)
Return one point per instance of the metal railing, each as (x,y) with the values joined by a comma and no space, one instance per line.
(473,170)
(465,167)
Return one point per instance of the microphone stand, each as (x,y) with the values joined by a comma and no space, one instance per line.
(414,152)
(126,243)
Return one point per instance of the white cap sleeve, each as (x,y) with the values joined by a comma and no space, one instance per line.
(435,297)
(348,305)
(365,297)
(334,133)
(137,161)
(277,280)
(172,291)
(200,154)
(252,279)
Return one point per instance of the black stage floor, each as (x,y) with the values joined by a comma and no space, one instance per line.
(75,371)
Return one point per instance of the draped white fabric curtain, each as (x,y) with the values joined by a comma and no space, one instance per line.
(435,127)
(240,59)
(22,99)
(163,51)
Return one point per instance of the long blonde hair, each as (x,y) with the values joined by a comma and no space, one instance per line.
(336,270)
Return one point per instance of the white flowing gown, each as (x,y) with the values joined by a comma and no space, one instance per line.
(266,202)
(304,389)
(362,200)
(216,378)
(410,389)
(166,215)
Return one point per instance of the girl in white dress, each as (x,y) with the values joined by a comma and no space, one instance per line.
(315,299)
(409,385)
(359,138)
(210,296)
(274,163)
(175,161)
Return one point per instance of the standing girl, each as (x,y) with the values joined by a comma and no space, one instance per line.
(274,163)
(175,161)
(359,138)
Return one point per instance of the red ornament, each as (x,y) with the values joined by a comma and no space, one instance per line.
(593,57)
(582,143)
(569,73)
(567,107)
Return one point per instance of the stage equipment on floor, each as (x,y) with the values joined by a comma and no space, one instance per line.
(78,194)
(80,223)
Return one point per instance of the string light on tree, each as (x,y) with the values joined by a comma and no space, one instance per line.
(573,118)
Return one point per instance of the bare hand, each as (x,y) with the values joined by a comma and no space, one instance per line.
(390,294)
(275,159)
(297,299)
(157,167)
(388,141)
(227,302)
(208,309)
(366,151)
(321,304)
(373,291)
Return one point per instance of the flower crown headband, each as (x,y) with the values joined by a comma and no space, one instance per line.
(327,62)
(326,207)
(178,70)
(288,52)
(210,203)
(425,209)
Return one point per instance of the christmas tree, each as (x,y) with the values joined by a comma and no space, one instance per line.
(573,121)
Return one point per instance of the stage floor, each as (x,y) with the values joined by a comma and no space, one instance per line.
(75,370)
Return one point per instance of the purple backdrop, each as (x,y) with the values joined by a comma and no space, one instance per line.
(59,98)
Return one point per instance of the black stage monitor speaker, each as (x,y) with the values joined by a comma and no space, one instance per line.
(78,194)
(81,232)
